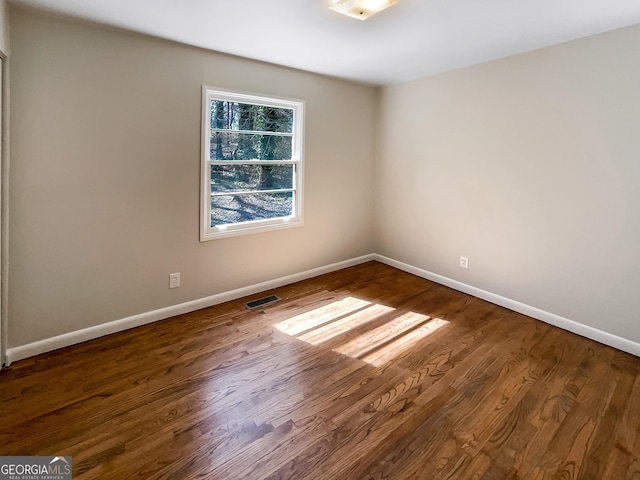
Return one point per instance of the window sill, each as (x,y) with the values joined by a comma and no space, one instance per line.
(249,228)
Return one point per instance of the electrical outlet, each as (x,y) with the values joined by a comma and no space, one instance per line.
(174,280)
(464,262)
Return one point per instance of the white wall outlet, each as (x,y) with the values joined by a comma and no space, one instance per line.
(174,280)
(464,262)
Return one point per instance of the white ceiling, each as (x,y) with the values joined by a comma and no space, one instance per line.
(412,39)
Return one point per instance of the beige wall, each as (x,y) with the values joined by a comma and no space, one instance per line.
(4,27)
(530,166)
(105,176)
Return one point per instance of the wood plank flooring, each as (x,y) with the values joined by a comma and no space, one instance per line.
(364,373)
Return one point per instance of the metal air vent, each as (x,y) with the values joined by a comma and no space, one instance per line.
(261,301)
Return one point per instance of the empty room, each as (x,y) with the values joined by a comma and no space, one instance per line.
(321,239)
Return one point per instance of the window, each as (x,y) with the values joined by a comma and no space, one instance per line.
(251,163)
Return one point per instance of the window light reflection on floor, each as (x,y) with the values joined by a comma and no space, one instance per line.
(321,315)
(376,346)
(392,349)
(345,324)
(373,339)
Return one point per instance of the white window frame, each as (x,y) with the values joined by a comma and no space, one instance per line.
(207,232)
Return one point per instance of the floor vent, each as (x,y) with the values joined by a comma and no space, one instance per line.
(261,301)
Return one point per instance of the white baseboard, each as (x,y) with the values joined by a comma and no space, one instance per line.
(601,336)
(49,344)
(71,338)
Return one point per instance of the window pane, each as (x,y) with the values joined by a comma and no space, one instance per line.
(244,146)
(245,116)
(227,209)
(238,178)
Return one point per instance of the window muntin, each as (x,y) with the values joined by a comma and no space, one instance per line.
(251,165)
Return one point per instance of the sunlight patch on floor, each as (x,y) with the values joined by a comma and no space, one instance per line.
(373,339)
(395,347)
(345,324)
(376,346)
(319,316)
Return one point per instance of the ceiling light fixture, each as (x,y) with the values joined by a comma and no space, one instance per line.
(360,9)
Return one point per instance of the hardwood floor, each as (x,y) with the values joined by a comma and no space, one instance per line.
(365,373)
